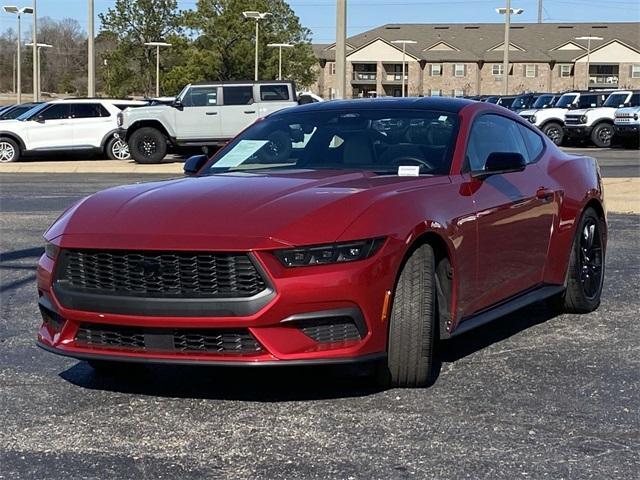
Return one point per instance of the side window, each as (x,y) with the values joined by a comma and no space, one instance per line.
(238,95)
(88,110)
(493,133)
(274,93)
(533,142)
(58,111)
(587,101)
(201,97)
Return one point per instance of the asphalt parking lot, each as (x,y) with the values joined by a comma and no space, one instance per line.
(530,396)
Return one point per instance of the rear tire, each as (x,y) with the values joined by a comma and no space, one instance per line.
(554,131)
(117,149)
(412,323)
(9,150)
(601,135)
(585,276)
(148,145)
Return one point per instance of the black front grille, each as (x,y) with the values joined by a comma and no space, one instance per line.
(330,330)
(211,341)
(159,274)
(572,120)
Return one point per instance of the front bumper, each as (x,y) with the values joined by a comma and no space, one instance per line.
(354,292)
(626,130)
(577,131)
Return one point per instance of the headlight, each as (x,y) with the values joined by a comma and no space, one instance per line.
(583,119)
(332,253)
(119,119)
(533,119)
(51,250)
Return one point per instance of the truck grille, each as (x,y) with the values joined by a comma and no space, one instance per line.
(572,120)
(159,274)
(211,341)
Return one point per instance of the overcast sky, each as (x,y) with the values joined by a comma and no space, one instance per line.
(319,15)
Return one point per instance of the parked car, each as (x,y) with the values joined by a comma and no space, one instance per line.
(335,232)
(14,111)
(65,125)
(596,124)
(626,124)
(551,120)
(203,115)
(526,101)
(506,101)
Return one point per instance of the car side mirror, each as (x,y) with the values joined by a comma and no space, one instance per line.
(194,164)
(39,119)
(178,104)
(499,163)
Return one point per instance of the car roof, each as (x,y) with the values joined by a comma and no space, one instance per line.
(94,100)
(445,104)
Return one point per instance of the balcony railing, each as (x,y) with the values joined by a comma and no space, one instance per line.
(364,76)
(611,80)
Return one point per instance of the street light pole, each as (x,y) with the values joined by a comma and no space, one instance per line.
(257,16)
(19,11)
(507,28)
(39,47)
(588,39)
(280,46)
(157,45)
(36,65)
(341,48)
(404,54)
(91,77)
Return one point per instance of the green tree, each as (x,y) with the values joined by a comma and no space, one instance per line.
(130,66)
(228,40)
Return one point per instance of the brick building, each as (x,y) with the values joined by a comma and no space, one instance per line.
(464,59)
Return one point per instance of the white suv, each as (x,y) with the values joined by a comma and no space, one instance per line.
(64,125)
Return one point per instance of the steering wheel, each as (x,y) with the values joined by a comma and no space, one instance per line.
(400,160)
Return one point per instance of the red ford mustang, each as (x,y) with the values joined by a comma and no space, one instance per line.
(334,232)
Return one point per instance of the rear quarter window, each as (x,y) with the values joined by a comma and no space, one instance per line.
(274,93)
(533,142)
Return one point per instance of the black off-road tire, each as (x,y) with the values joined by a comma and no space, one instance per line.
(9,150)
(575,298)
(412,328)
(148,145)
(554,131)
(602,134)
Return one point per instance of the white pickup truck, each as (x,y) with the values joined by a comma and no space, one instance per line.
(202,115)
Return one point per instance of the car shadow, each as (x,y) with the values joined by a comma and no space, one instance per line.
(280,384)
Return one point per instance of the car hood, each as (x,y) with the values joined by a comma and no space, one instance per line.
(528,112)
(239,211)
(9,123)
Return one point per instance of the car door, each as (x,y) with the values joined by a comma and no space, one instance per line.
(515,212)
(240,109)
(51,128)
(91,122)
(200,117)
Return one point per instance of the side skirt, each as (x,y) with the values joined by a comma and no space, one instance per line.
(507,307)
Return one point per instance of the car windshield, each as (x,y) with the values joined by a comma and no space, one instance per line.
(520,102)
(543,101)
(616,100)
(15,112)
(492,99)
(32,111)
(566,100)
(506,102)
(380,141)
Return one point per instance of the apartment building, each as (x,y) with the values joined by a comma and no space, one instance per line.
(466,59)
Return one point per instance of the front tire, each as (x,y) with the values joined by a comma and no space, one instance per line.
(9,150)
(148,145)
(117,149)
(554,131)
(412,323)
(601,135)
(585,276)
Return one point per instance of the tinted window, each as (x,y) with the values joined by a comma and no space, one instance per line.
(238,95)
(566,100)
(374,140)
(543,101)
(201,97)
(587,101)
(533,142)
(15,112)
(616,100)
(635,100)
(493,133)
(88,110)
(274,93)
(58,111)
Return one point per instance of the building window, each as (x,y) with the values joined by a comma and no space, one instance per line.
(565,70)
(497,69)
(332,68)
(458,70)
(635,71)
(332,93)
(436,69)
(435,93)
(531,71)
(458,93)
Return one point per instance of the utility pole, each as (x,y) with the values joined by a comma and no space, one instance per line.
(505,60)
(91,75)
(539,11)
(14,73)
(341,47)
(36,64)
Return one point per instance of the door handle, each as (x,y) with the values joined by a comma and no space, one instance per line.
(249,111)
(544,194)
(211,113)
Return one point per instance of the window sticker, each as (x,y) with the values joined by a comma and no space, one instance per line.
(240,153)
(408,170)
